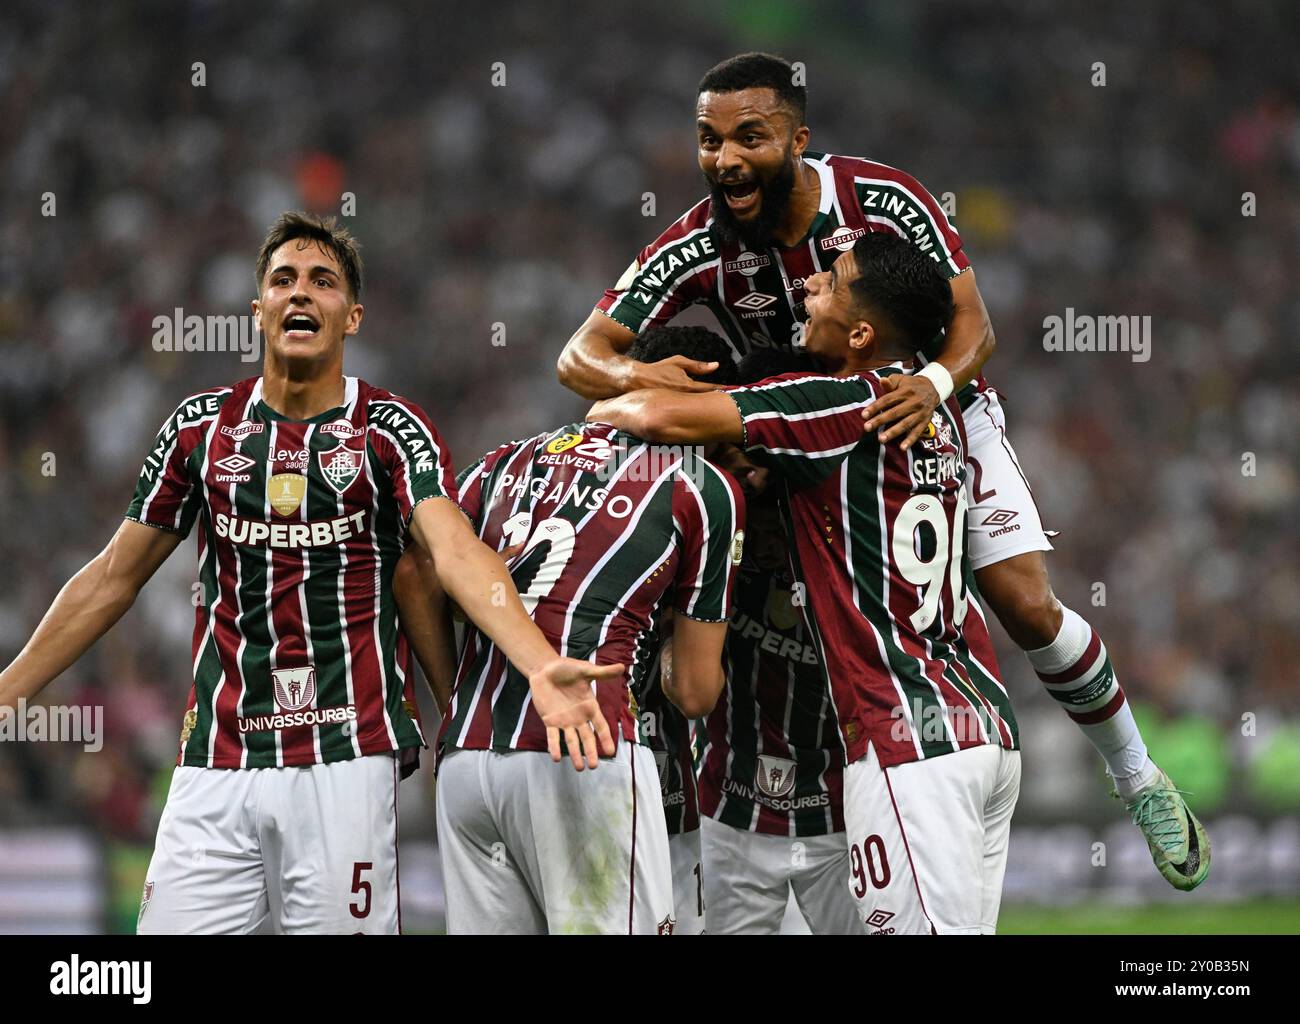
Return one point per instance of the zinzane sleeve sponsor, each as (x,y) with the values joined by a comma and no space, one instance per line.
(709,521)
(668,275)
(894,198)
(165,496)
(417,460)
(805,425)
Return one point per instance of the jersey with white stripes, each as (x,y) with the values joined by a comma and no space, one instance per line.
(773,762)
(755,294)
(614,529)
(878,538)
(297,656)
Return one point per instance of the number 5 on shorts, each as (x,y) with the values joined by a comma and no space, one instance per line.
(361,886)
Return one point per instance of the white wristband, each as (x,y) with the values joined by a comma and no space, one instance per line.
(938,375)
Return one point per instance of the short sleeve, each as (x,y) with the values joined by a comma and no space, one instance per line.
(894,198)
(672,272)
(709,521)
(166,497)
(417,460)
(806,424)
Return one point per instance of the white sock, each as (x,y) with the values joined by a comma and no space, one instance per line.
(1076,671)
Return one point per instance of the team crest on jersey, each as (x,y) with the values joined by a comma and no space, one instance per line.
(667,925)
(842,238)
(661,759)
(340,466)
(737,547)
(295,688)
(285,492)
(775,775)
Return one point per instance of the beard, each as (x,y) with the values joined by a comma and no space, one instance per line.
(757,233)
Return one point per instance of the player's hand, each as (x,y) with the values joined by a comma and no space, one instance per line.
(673,373)
(566,702)
(903,410)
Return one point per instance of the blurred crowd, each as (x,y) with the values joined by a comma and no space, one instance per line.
(499,161)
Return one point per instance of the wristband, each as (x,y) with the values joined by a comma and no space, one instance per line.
(938,375)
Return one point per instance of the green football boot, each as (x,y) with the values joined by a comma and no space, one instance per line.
(1178,843)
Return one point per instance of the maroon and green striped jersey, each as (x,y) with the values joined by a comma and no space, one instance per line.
(774,762)
(878,539)
(614,529)
(755,294)
(298,658)
(667,732)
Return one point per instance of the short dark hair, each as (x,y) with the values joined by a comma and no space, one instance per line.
(325,231)
(758,71)
(693,342)
(898,281)
(762,363)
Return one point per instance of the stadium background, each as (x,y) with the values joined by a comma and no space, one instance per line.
(481,205)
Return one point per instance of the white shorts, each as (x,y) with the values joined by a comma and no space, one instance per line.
(277,850)
(749,878)
(688,883)
(530,846)
(1002,520)
(930,840)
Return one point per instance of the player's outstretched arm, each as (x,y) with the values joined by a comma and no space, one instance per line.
(425,615)
(476,579)
(594,365)
(909,399)
(86,607)
(670,417)
(694,679)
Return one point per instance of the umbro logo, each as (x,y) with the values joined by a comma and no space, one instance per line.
(879,918)
(999,517)
(234,463)
(755,300)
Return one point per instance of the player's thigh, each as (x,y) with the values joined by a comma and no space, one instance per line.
(486,891)
(688,882)
(1000,806)
(1001,519)
(818,885)
(746,876)
(919,857)
(333,830)
(206,875)
(595,841)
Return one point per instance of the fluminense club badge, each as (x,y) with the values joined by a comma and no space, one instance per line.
(340,466)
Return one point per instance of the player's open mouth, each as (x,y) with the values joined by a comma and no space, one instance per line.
(300,325)
(742,196)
